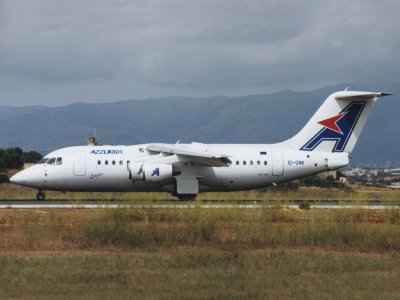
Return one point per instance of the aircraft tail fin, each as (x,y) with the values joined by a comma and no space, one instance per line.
(337,124)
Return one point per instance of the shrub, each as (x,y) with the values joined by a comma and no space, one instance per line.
(4,178)
(304,205)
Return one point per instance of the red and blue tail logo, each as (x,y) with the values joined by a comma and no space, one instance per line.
(337,128)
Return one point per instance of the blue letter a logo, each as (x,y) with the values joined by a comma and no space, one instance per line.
(156,172)
(337,128)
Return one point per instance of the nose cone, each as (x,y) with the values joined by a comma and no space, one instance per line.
(18,178)
(26,177)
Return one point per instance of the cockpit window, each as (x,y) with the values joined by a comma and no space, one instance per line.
(59,161)
(43,160)
(51,161)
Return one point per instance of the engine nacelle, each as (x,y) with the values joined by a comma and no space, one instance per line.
(149,172)
(136,171)
(157,172)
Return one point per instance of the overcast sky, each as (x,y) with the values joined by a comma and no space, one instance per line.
(55,52)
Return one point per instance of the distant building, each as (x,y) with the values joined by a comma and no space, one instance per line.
(325,175)
(337,175)
(91,141)
(394,185)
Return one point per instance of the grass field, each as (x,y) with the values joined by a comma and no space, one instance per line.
(132,253)
(199,273)
(266,253)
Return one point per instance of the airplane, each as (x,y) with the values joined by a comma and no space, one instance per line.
(185,170)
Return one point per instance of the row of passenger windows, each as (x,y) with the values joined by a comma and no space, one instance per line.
(258,163)
(113,162)
(244,163)
(51,161)
(58,161)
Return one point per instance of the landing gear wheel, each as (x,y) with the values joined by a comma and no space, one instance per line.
(40,196)
(187,197)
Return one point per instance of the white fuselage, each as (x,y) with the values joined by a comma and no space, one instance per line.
(105,168)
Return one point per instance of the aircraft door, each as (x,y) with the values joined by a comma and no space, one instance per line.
(277,163)
(79,163)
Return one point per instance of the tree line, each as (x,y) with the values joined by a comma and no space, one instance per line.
(14,158)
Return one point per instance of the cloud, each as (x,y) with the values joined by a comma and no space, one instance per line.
(55,52)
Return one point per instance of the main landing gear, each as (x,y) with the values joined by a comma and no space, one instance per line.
(187,197)
(40,196)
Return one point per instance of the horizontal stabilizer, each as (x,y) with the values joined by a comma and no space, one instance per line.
(359,95)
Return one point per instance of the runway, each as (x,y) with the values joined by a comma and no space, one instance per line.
(95,204)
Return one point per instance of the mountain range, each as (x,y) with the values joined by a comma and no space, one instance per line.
(264,118)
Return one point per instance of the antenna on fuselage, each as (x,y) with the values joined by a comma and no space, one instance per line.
(91,140)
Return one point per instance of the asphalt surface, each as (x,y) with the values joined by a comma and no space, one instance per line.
(95,204)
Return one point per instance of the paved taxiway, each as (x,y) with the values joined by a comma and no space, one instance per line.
(65,204)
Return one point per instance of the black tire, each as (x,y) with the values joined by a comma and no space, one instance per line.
(40,196)
(187,197)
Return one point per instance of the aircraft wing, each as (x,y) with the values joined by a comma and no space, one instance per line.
(195,154)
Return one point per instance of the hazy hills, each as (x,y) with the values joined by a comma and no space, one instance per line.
(250,119)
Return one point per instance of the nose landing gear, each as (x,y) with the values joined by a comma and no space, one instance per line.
(40,195)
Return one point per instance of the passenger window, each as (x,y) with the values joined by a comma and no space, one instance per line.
(51,161)
(121,162)
(43,160)
(99,162)
(244,163)
(251,162)
(265,163)
(258,162)
(237,162)
(113,162)
(106,162)
(59,161)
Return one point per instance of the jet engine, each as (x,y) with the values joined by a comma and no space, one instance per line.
(149,172)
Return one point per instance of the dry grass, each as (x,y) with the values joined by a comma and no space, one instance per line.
(132,228)
(268,253)
(199,273)
(132,253)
